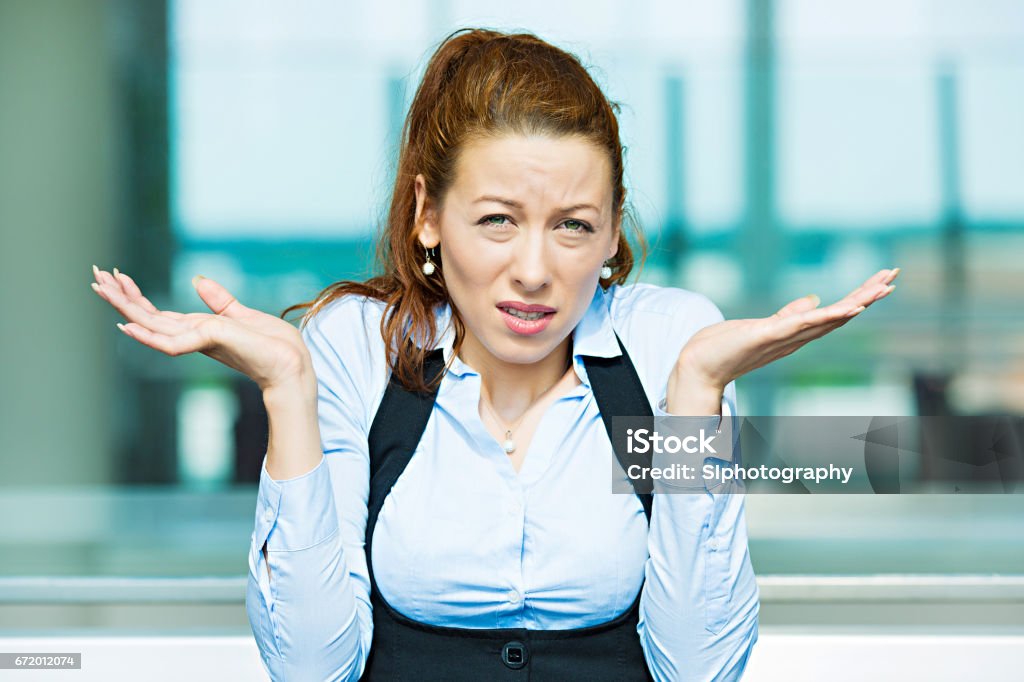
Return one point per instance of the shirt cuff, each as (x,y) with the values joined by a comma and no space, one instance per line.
(661,411)
(295,513)
(682,427)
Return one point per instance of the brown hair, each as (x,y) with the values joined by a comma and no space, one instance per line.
(478,83)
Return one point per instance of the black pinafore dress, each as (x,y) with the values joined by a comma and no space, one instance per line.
(405,649)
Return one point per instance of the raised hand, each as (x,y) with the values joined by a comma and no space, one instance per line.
(267,349)
(725,351)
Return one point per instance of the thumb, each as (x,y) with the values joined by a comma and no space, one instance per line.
(800,305)
(216,297)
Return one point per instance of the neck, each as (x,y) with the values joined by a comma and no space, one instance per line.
(512,387)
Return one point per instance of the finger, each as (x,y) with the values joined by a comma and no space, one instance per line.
(820,330)
(885,292)
(134,294)
(796,330)
(866,294)
(791,345)
(878,278)
(217,298)
(102,276)
(783,328)
(803,313)
(871,283)
(105,280)
(178,344)
(800,305)
(115,296)
(883,276)
(814,331)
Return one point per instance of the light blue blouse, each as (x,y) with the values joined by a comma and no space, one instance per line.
(463,540)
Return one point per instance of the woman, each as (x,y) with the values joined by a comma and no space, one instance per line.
(434,501)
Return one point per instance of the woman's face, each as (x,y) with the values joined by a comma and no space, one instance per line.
(523,232)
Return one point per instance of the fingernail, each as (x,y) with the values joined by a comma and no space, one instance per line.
(196,279)
(116,273)
(123,328)
(854,311)
(815,298)
(95,271)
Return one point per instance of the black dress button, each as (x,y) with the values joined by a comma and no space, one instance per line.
(514,655)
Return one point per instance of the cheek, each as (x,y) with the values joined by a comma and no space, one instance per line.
(467,268)
(581,268)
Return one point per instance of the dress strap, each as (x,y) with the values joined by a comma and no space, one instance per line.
(395,434)
(619,393)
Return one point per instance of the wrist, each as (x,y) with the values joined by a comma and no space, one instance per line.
(689,393)
(688,369)
(299,387)
(293,441)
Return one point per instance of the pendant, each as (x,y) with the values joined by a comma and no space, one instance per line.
(509,445)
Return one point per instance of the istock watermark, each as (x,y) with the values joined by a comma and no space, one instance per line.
(714,474)
(818,455)
(642,441)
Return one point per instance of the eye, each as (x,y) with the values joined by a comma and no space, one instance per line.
(495,220)
(577,226)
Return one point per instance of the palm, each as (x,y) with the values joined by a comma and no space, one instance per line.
(263,347)
(727,350)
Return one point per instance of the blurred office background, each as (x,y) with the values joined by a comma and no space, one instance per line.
(775,148)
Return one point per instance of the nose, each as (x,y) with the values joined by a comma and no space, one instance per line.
(531,266)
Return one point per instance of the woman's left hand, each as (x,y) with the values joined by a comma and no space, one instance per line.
(723,352)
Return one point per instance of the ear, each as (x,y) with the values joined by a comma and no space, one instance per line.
(615,239)
(426,226)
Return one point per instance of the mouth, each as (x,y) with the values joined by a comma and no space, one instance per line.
(523,315)
(524,318)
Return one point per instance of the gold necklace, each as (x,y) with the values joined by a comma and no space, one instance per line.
(509,446)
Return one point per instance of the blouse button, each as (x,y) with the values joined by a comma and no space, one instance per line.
(513,596)
(268,515)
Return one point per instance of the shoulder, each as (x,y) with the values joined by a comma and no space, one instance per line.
(655,323)
(346,348)
(349,321)
(642,302)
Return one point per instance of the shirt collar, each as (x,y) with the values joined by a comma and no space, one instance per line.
(593,335)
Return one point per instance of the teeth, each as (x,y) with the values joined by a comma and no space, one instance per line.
(523,315)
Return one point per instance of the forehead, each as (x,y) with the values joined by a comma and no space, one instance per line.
(534,169)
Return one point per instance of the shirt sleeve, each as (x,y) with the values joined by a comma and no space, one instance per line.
(311,615)
(700,602)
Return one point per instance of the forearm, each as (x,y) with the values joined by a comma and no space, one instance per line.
(293,445)
(310,619)
(688,394)
(306,604)
(699,608)
(310,613)
(700,603)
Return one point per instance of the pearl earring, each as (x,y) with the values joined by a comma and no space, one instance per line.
(606,270)
(428,267)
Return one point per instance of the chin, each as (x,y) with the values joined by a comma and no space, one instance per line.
(525,351)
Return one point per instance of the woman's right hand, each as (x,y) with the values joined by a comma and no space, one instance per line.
(267,349)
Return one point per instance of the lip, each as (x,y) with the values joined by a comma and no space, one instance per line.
(526,327)
(526,307)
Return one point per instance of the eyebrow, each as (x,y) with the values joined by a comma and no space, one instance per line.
(516,204)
